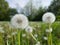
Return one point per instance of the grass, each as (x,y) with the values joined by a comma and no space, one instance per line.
(38,29)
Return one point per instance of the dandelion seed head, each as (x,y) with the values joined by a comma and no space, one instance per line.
(48,17)
(19,21)
(29,29)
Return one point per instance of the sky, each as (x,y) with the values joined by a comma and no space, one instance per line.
(22,3)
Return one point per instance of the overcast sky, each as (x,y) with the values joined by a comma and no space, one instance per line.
(22,3)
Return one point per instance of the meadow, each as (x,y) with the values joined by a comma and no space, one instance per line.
(8,37)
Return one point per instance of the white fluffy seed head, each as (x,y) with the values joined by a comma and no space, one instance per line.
(48,17)
(19,21)
(29,29)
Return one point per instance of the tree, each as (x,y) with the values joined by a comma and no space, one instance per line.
(11,12)
(55,7)
(39,14)
(3,9)
(30,10)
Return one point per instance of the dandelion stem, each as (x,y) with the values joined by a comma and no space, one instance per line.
(13,41)
(18,37)
(49,35)
(1,38)
(7,42)
(28,40)
(5,39)
(33,37)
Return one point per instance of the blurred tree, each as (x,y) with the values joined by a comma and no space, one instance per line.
(10,13)
(55,7)
(32,12)
(19,9)
(28,8)
(5,11)
(39,14)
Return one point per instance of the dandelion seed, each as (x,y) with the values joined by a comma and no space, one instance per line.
(45,38)
(29,29)
(38,43)
(38,26)
(35,35)
(1,30)
(14,33)
(23,35)
(19,21)
(34,28)
(48,17)
(49,30)
(8,36)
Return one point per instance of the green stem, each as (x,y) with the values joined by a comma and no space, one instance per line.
(18,37)
(28,41)
(49,35)
(7,42)
(33,37)
(1,39)
(51,38)
(13,40)
(48,39)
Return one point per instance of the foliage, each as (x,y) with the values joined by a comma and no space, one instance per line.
(31,12)
(38,14)
(55,7)
(5,11)
(38,28)
(11,12)
(58,18)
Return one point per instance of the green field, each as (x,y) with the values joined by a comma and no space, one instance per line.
(38,29)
